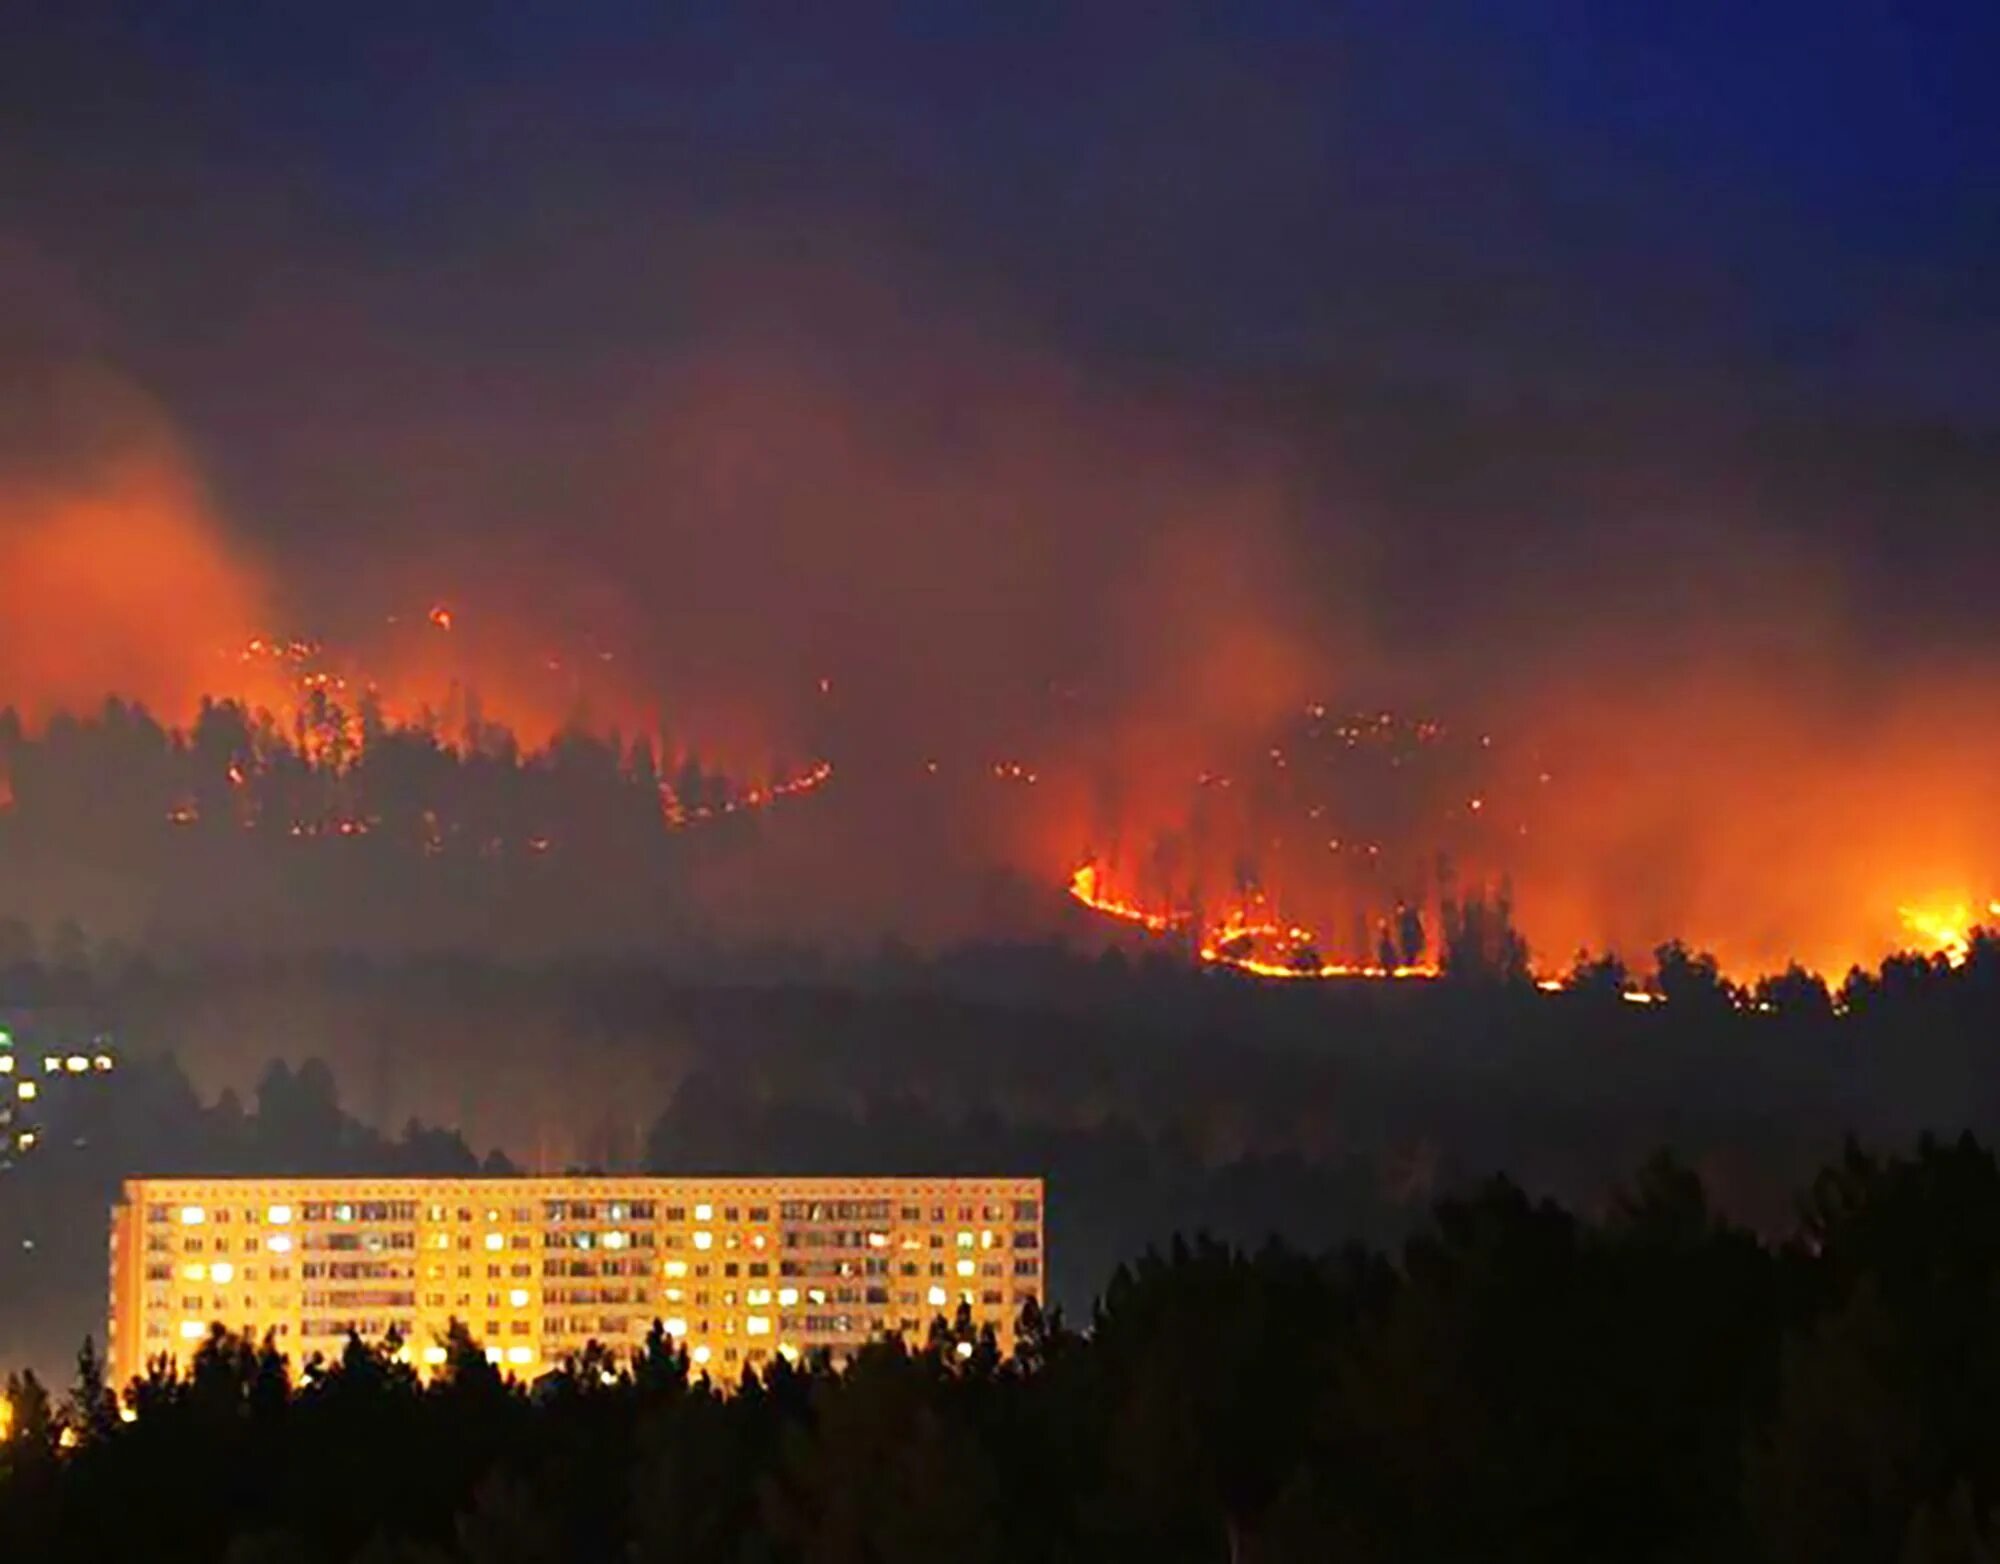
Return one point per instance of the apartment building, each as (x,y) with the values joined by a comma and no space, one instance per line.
(735,1269)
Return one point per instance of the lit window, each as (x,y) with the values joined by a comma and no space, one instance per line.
(935,1297)
(757,1325)
(101,1062)
(965,1240)
(700,1354)
(967,1268)
(193,1216)
(6,1064)
(614,1240)
(675,1326)
(28,1091)
(757,1295)
(496,1241)
(279,1216)
(193,1330)
(494,1354)
(986,1238)
(704,1213)
(787,1296)
(674,1268)
(223,1272)
(520,1354)
(704,1240)
(195,1272)
(76,1064)
(518,1297)
(965,1349)
(279,1243)
(435,1355)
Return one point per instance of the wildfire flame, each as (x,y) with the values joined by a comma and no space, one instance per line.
(1086,886)
(1249,939)
(1947,930)
(1245,938)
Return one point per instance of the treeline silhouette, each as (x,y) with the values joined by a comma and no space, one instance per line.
(242,832)
(1514,1383)
(331,773)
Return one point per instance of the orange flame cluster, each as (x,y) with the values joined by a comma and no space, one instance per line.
(1247,938)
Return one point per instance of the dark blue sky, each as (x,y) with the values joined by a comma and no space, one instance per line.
(1797,197)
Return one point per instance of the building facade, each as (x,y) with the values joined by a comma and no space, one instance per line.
(735,1269)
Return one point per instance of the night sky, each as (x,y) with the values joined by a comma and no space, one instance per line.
(1511,280)
(1795,197)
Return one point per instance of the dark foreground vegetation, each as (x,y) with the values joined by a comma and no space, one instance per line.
(1516,1383)
(1153,1098)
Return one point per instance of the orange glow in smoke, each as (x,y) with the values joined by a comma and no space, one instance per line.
(118,585)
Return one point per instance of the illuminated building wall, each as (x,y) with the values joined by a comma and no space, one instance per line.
(736,1269)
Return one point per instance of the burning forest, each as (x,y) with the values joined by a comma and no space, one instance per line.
(938,643)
